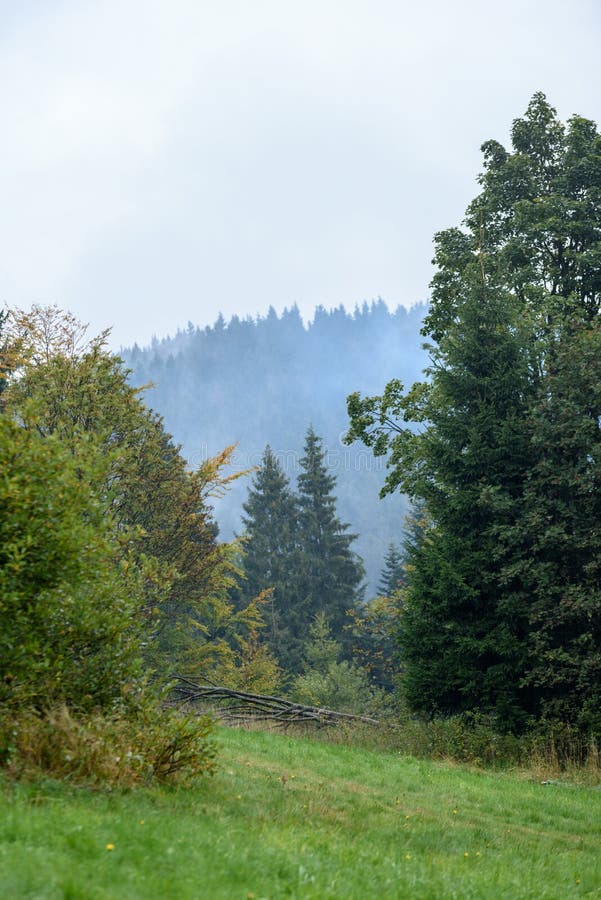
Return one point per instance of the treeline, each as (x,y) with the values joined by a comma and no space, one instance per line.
(263,381)
(113,574)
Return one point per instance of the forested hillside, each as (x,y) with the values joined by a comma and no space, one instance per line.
(264,381)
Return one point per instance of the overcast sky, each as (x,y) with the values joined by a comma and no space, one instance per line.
(164,160)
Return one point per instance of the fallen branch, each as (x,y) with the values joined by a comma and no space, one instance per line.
(241,706)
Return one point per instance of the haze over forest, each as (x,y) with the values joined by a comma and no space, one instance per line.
(265,380)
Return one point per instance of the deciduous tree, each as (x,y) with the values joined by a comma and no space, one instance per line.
(74,390)
(70,626)
(502,611)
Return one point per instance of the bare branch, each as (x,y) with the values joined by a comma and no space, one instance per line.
(242,706)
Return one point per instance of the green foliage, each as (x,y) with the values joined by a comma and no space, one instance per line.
(332,574)
(329,682)
(374,629)
(257,670)
(393,573)
(343,688)
(321,650)
(376,625)
(550,554)
(151,745)
(297,547)
(76,391)
(226,646)
(270,558)
(501,442)
(69,604)
(4,361)
(82,565)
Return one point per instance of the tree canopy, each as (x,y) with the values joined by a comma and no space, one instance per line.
(502,441)
(73,394)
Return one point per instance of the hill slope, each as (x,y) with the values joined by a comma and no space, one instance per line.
(255,382)
(345,823)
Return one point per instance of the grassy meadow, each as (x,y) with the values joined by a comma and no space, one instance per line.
(291,817)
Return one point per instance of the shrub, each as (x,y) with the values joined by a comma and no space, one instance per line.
(153,745)
(331,683)
(69,603)
(342,687)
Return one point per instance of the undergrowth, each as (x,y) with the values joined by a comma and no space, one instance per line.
(152,745)
(298,818)
(552,751)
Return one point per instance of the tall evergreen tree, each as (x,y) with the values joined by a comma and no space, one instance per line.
(503,610)
(393,572)
(270,558)
(331,574)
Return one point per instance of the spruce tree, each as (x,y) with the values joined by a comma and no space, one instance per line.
(331,574)
(393,573)
(270,558)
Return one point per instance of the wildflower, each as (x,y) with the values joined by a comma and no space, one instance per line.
(466,853)
(110,846)
(455,811)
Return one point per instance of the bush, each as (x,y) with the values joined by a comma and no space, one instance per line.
(563,748)
(331,683)
(467,738)
(342,687)
(69,604)
(155,745)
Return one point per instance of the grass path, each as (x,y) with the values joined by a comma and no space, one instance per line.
(342,822)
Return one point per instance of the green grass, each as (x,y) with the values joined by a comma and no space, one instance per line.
(346,823)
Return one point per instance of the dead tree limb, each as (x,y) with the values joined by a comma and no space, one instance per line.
(242,706)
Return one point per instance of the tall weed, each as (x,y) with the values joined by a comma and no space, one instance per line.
(154,745)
